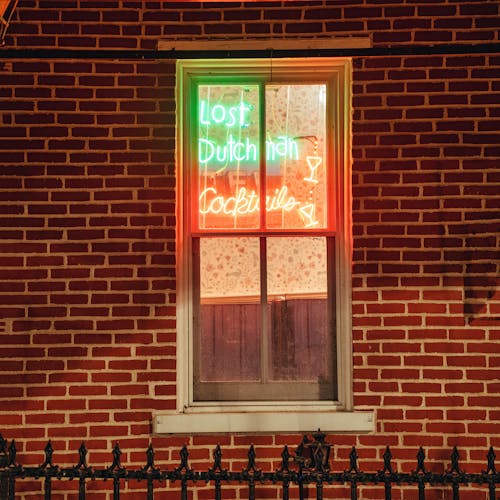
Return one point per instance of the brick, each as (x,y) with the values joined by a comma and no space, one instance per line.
(111,351)
(421,387)
(490,348)
(132,416)
(433,36)
(410,401)
(46,392)
(111,378)
(391,37)
(482,428)
(66,405)
(155,404)
(412,24)
(67,351)
(118,43)
(445,428)
(87,417)
(92,390)
(303,27)
(130,390)
(47,418)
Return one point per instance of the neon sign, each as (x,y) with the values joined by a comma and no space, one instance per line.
(284,147)
(246,202)
(230,142)
(313,162)
(228,116)
(209,151)
(234,149)
(245,151)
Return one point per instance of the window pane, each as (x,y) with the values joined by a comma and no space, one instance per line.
(229,315)
(229,268)
(299,319)
(296,156)
(296,265)
(228,156)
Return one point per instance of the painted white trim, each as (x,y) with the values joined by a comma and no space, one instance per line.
(264,422)
(345,42)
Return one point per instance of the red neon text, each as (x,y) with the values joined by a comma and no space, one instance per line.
(245,202)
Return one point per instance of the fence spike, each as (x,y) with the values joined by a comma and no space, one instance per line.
(150,458)
(387,461)
(48,455)
(420,461)
(251,457)
(285,458)
(82,457)
(116,465)
(491,461)
(455,456)
(184,454)
(217,460)
(12,453)
(3,452)
(251,466)
(250,471)
(353,460)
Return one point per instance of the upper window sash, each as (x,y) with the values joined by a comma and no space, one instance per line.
(260,154)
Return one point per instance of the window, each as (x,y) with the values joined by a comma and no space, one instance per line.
(263,243)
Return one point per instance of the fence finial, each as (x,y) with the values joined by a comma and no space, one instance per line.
(12,454)
(217,460)
(150,459)
(285,458)
(251,466)
(184,454)
(387,461)
(455,456)
(48,456)
(420,461)
(116,465)
(353,460)
(3,453)
(82,457)
(491,461)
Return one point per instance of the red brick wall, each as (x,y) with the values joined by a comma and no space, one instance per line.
(87,226)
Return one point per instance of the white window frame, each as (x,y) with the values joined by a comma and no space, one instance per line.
(268,416)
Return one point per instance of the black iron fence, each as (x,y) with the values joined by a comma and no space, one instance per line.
(307,469)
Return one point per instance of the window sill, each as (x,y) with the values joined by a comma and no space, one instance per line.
(263,421)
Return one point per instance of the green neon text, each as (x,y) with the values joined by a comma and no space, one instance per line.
(229,116)
(245,150)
